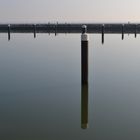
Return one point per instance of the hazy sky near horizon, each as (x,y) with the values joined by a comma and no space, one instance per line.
(69,10)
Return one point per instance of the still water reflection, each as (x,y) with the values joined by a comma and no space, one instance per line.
(41,95)
(84,107)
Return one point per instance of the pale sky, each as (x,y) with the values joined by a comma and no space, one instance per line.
(69,10)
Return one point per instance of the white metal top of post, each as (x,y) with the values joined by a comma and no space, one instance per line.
(84,36)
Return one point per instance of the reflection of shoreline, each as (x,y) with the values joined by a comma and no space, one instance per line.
(84,106)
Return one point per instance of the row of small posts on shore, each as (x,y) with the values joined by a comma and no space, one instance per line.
(103,31)
(9,31)
(34,31)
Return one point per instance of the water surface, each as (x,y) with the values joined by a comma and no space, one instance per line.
(40,88)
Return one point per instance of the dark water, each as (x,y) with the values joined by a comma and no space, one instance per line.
(40,88)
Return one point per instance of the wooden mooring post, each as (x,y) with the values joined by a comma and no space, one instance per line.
(55,29)
(103,28)
(122,31)
(84,55)
(34,28)
(84,78)
(135,30)
(9,26)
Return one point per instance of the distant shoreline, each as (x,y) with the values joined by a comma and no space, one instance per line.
(70,28)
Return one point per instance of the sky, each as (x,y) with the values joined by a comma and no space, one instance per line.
(69,11)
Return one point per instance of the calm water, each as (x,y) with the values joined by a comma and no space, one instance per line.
(40,88)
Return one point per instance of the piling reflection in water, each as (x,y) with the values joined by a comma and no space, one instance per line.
(84,106)
(84,78)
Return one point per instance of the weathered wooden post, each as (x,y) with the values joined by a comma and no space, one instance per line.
(84,78)
(49,28)
(84,55)
(9,32)
(56,26)
(122,31)
(135,30)
(34,28)
(103,27)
